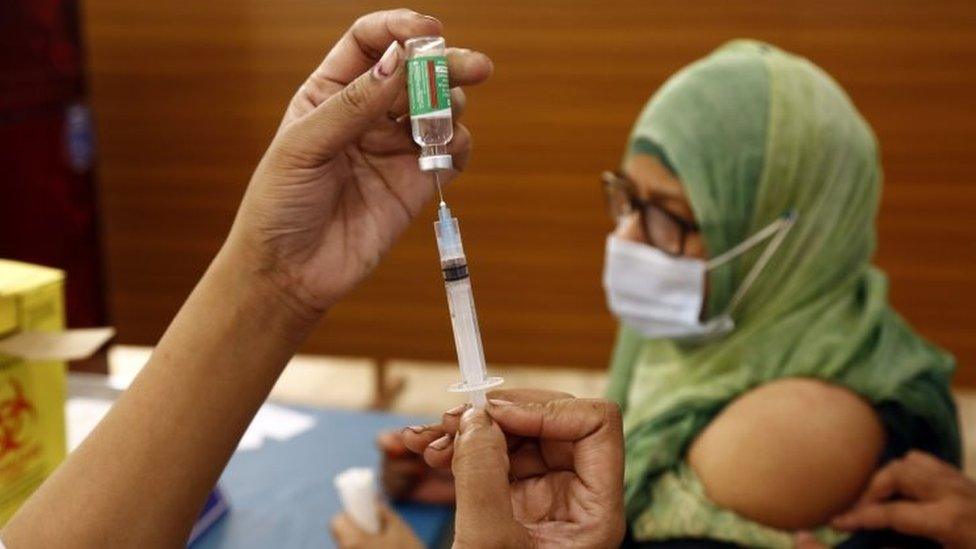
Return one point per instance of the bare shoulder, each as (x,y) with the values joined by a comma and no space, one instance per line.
(789,454)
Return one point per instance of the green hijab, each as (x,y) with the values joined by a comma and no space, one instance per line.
(752,132)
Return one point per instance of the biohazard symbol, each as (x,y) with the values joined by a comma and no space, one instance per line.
(14,411)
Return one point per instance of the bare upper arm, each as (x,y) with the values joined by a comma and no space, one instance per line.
(789,454)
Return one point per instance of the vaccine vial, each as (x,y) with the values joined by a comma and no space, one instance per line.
(429,90)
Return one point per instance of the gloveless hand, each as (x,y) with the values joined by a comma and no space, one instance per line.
(535,470)
(394,533)
(340,182)
(918,495)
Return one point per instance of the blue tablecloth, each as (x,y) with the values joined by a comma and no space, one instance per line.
(281,495)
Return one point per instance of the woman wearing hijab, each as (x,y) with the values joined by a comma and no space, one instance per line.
(763,375)
(762,372)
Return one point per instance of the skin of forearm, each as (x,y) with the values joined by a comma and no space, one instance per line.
(141,477)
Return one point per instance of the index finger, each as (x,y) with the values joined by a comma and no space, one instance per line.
(566,419)
(368,37)
(540,396)
(918,519)
(593,426)
(419,439)
(451,418)
(903,476)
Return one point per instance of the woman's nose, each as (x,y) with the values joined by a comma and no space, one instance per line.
(629,228)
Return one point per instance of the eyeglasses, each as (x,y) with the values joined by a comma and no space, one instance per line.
(662,229)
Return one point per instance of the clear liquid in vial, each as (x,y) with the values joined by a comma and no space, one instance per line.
(432,131)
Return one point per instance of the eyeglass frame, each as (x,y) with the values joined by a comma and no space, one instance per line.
(620,180)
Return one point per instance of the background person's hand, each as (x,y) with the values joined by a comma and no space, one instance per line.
(394,533)
(556,480)
(405,475)
(921,496)
(340,180)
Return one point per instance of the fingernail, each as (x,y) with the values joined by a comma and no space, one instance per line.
(425,16)
(388,63)
(440,443)
(491,63)
(457,410)
(499,402)
(415,428)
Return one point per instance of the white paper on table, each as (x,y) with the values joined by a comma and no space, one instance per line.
(82,415)
(274,422)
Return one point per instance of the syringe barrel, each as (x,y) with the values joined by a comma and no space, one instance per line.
(467,335)
(460,299)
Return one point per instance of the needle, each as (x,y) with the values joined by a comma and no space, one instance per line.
(437,183)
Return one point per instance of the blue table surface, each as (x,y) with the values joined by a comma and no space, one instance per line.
(282,495)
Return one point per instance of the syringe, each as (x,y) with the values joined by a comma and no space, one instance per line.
(464,319)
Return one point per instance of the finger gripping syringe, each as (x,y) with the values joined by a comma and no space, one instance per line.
(460,300)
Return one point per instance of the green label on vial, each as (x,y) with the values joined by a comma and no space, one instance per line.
(428,86)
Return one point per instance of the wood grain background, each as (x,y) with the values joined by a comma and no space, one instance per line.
(187,94)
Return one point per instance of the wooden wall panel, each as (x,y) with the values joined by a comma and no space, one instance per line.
(187,94)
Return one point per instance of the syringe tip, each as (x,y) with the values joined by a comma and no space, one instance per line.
(444,217)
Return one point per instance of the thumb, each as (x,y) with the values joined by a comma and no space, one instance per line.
(345,115)
(481,470)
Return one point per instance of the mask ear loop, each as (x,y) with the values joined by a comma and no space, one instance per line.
(781,227)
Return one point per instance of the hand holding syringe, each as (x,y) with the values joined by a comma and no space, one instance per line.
(432,125)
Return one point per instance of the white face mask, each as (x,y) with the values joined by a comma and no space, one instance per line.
(661,296)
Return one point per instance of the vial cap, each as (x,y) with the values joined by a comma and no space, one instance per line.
(436,162)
